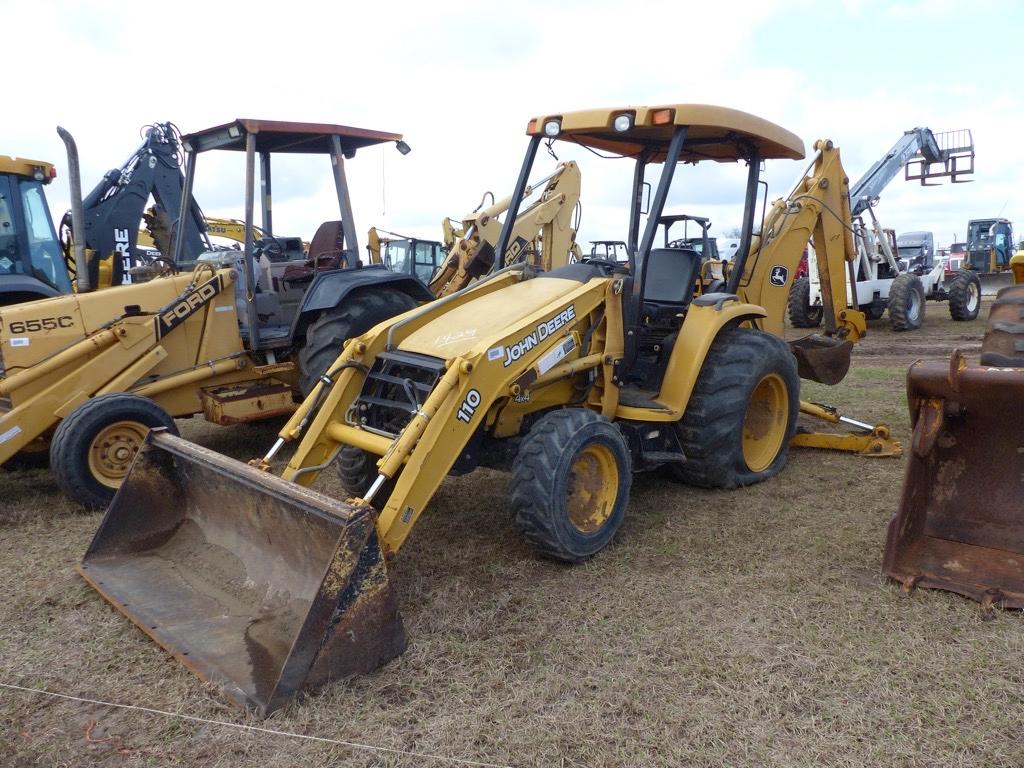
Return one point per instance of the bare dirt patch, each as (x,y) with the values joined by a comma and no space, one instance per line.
(745,628)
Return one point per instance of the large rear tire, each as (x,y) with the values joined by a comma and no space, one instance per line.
(906,302)
(801,313)
(94,447)
(355,316)
(742,413)
(570,484)
(964,295)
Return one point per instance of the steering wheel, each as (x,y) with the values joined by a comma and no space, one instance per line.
(271,247)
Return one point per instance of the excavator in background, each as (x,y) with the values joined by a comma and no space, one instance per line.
(400,253)
(31,264)
(878,280)
(543,234)
(959,525)
(84,377)
(573,379)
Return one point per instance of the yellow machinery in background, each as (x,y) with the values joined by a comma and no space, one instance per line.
(572,379)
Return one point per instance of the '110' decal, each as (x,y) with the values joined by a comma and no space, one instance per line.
(468,407)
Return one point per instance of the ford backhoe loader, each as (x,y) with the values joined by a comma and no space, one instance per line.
(573,379)
(84,377)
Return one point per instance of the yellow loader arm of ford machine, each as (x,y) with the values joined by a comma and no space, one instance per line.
(542,235)
(572,379)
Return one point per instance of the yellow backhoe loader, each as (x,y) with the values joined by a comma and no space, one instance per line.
(959,526)
(84,377)
(573,379)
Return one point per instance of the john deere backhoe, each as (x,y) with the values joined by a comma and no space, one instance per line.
(573,379)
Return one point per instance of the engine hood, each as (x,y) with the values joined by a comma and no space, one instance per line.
(479,324)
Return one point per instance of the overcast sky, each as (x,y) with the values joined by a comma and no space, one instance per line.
(460,80)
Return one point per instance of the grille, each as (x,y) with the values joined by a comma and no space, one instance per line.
(395,388)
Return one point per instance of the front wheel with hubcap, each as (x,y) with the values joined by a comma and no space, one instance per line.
(906,302)
(742,413)
(93,448)
(570,484)
(964,295)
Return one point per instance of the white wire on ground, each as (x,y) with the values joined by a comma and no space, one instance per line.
(254,728)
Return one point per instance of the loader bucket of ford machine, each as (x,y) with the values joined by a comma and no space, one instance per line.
(960,526)
(256,584)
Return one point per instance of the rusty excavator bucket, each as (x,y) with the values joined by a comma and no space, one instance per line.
(960,526)
(256,584)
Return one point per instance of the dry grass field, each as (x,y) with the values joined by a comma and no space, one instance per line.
(743,628)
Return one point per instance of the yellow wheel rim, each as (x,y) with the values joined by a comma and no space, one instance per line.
(593,488)
(764,425)
(111,453)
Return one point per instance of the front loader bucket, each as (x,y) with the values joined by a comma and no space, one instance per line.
(254,583)
(822,358)
(960,525)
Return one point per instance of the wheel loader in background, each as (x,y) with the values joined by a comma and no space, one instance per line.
(84,377)
(573,378)
(960,526)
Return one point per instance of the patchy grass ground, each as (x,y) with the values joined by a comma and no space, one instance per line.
(745,628)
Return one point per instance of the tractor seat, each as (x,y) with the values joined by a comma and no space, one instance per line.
(671,276)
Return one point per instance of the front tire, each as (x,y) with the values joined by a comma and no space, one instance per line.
(355,316)
(94,447)
(570,484)
(742,413)
(964,295)
(906,302)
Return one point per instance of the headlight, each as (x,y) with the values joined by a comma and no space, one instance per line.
(623,123)
(552,128)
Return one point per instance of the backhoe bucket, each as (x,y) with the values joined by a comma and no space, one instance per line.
(822,358)
(960,526)
(254,583)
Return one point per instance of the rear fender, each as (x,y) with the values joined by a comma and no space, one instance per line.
(705,319)
(329,290)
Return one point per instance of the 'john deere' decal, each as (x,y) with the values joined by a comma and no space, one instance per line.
(779,275)
(515,351)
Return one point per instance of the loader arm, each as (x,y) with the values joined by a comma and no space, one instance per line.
(542,233)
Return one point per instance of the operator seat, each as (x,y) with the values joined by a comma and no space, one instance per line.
(670,281)
(325,252)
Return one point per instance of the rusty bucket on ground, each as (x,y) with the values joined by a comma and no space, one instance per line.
(960,526)
(256,584)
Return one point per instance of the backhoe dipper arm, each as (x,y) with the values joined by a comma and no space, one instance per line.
(818,206)
(115,207)
(544,227)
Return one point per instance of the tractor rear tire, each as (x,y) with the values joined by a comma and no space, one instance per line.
(801,313)
(964,295)
(737,426)
(570,484)
(355,316)
(906,302)
(94,447)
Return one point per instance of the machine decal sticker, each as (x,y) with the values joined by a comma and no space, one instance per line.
(495,353)
(407,514)
(551,359)
(779,275)
(224,308)
(468,407)
(6,263)
(20,341)
(515,351)
(173,315)
(10,433)
(42,324)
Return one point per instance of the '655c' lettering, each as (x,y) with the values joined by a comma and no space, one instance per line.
(41,324)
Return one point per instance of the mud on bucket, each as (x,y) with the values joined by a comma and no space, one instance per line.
(254,583)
